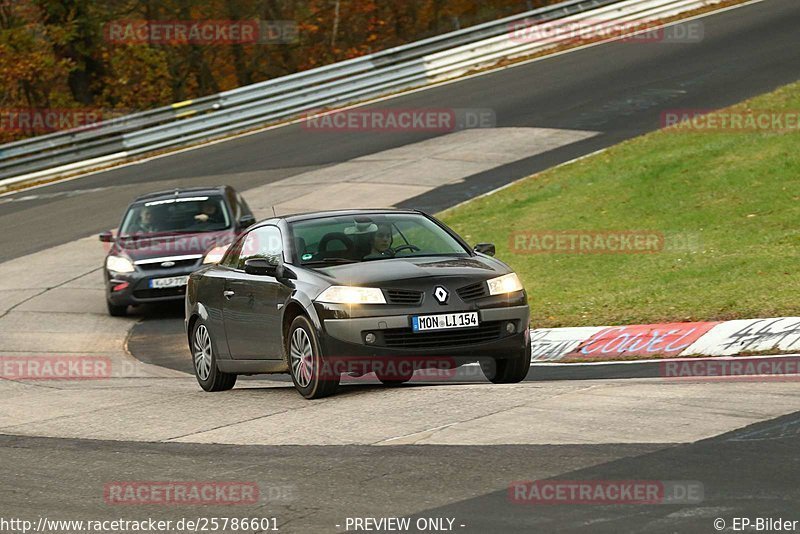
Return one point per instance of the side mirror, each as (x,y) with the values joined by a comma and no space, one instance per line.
(246,221)
(107,237)
(485,248)
(260,267)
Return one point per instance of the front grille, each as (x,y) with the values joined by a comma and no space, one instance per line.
(404,297)
(405,337)
(473,291)
(159,293)
(181,264)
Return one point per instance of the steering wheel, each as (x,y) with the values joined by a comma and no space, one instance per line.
(336,236)
(412,248)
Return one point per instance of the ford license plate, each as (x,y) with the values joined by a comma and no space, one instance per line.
(167,283)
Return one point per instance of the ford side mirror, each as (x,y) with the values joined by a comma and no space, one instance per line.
(107,237)
(260,267)
(485,248)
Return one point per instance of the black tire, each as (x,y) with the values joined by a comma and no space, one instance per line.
(207,373)
(311,375)
(116,311)
(508,371)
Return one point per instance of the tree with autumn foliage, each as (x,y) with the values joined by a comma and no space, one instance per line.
(57,54)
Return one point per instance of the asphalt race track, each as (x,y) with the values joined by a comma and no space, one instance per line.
(444,451)
(318,487)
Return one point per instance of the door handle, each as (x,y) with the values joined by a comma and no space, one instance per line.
(228,294)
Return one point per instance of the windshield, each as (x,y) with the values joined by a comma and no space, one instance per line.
(176,215)
(351,239)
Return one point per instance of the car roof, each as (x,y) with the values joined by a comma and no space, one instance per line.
(342,213)
(183,192)
(306,216)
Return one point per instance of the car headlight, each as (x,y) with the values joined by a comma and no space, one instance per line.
(215,254)
(352,295)
(508,283)
(119,264)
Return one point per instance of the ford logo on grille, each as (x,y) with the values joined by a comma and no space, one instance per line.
(168,264)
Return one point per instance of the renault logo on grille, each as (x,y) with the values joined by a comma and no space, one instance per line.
(441,294)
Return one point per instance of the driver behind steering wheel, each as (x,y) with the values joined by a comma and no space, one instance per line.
(382,241)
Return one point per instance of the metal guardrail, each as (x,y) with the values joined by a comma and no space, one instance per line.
(412,65)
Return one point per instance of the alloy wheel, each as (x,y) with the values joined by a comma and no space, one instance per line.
(302,357)
(202,352)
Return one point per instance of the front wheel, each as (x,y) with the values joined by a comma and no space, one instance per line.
(312,376)
(117,311)
(508,371)
(204,359)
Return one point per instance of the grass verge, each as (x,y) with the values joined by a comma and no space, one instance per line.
(727,205)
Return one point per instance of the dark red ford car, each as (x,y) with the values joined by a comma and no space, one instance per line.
(166,236)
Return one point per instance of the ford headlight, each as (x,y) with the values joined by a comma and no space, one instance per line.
(508,283)
(119,264)
(352,295)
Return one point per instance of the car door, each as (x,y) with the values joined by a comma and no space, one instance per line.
(210,288)
(250,307)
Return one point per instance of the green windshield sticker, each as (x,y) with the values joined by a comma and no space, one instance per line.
(307,256)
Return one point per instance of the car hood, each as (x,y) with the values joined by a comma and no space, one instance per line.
(382,271)
(164,246)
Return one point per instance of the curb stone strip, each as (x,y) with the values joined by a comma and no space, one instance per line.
(728,338)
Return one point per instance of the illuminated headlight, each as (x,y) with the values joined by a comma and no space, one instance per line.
(215,254)
(118,264)
(501,285)
(352,295)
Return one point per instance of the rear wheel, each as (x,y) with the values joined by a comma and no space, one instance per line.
(204,359)
(116,311)
(508,371)
(312,377)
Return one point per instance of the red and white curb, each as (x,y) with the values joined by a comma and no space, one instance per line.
(726,338)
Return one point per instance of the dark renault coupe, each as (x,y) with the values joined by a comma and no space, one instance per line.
(385,291)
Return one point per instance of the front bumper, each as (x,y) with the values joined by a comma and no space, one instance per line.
(138,290)
(393,337)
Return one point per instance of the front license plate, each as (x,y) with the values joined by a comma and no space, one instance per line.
(166,283)
(445,321)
